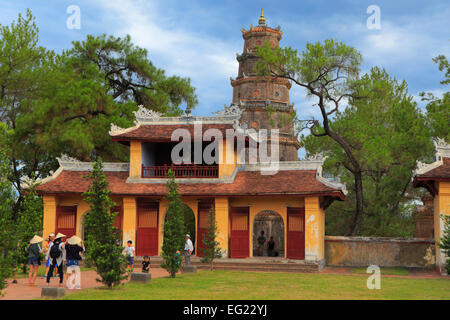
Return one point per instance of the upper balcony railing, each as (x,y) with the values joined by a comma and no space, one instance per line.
(181,171)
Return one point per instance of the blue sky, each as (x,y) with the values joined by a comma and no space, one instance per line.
(200,39)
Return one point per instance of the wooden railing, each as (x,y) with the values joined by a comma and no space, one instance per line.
(181,171)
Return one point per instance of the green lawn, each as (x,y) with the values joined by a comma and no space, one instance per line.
(210,285)
(41,271)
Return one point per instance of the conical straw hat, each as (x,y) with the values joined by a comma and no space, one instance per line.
(60,235)
(74,240)
(36,239)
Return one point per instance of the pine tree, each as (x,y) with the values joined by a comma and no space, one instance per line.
(173,229)
(29,222)
(7,226)
(101,250)
(445,241)
(212,250)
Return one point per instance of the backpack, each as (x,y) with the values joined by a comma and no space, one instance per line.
(55,253)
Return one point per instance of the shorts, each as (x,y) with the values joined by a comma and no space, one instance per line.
(130,260)
(33,261)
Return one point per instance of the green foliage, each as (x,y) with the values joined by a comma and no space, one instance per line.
(445,241)
(212,250)
(174,229)
(7,225)
(438,109)
(387,133)
(65,103)
(29,222)
(101,250)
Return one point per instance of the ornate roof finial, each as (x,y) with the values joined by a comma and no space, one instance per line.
(262,20)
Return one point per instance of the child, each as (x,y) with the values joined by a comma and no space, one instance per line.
(146,264)
(129,253)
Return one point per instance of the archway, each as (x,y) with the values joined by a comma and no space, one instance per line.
(273,226)
(189,222)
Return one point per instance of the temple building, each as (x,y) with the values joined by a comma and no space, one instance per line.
(285,198)
(435,177)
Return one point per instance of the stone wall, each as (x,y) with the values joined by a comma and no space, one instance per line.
(383,252)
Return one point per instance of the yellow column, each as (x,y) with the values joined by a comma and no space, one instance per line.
(163,205)
(222,219)
(50,203)
(129,219)
(441,207)
(82,208)
(227,159)
(314,230)
(135,159)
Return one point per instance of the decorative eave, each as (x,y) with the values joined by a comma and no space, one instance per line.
(442,151)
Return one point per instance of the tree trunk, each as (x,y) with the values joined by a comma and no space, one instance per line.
(359,204)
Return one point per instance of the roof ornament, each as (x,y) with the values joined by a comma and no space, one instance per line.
(232,110)
(66,158)
(316,157)
(262,20)
(116,129)
(146,114)
(442,148)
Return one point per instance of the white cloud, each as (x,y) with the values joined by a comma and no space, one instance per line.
(207,60)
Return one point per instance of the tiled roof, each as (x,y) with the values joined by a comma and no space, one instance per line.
(161,132)
(443,171)
(246,183)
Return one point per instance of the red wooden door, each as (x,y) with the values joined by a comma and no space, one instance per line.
(118,219)
(66,220)
(296,233)
(239,242)
(147,229)
(203,212)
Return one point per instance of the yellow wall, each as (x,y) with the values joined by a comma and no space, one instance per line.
(135,159)
(129,219)
(314,230)
(50,203)
(258,204)
(441,207)
(222,209)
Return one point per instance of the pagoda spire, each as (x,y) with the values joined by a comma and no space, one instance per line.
(262,20)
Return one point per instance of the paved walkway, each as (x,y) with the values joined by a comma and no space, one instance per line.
(21,290)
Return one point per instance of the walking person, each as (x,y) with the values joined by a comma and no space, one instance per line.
(188,249)
(50,239)
(34,252)
(57,256)
(73,248)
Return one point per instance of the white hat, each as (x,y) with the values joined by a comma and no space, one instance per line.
(74,240)
(51,234)
(188,236)
(60,235)
(36,239)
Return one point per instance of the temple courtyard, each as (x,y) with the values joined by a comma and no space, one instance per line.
(331,283)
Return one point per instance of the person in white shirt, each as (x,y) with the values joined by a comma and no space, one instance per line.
(188,249)
(129,253)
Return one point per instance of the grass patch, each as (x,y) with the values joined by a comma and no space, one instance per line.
(385,271)
(224,285)
(41,271)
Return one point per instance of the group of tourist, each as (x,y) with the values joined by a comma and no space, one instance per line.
(58,251)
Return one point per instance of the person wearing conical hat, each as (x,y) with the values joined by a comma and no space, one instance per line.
(57,256)
(34,258)
(73,248)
